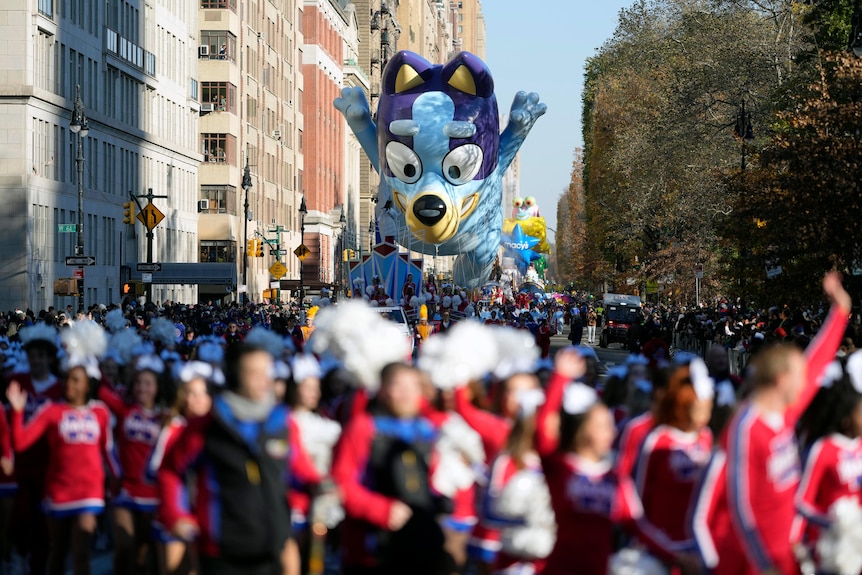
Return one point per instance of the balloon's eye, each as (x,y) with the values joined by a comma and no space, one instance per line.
(462,164)
(403,162)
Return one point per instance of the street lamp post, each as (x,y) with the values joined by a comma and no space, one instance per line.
(81,128)
(342,222)
(303,210)
(744,130)
(246,186)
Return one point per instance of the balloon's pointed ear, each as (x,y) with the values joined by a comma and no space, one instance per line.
(404,72)
(467,73)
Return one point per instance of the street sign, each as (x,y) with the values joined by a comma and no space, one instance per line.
(698,271)
(78,273)
(149,267)
(278,252)
(147,278)
(80,261)
(277,270)
(66,228)
(302,252)
(150,216)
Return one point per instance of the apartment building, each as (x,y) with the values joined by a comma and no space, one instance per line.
(134,64)
(251,132)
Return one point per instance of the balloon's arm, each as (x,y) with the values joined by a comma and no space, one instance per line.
(354,106)
(526,109)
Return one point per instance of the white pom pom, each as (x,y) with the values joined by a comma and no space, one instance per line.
(633,561)
(390,302)
(447,301)
(360,339)
(578,398)
(854,370)
(370,290)
(838,547)
(373,303)
(702,383)
(517,351)
(414,301)
(456,301)
(465,353)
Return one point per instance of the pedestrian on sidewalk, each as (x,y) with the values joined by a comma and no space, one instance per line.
(592,320)
(576,333)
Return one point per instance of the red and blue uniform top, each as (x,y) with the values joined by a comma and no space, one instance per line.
(634,431)
(669,467)
(833,470)
(494,431)
(79,443)
(138,430)
(745,506)
(589,498)
(32,463)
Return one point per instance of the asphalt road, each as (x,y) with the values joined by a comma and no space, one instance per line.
(610,356)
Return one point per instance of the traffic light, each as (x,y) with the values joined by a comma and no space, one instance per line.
(131,288)
(129,213)
(258,248)
(250,248)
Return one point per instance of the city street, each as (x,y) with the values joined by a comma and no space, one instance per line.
(613,355)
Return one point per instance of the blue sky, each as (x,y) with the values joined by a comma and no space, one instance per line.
(542,46)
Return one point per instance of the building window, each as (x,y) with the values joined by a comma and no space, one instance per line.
(229,4)
(219,148)
(193,89)
(46,8)
(222,199)
(222,95)
(217,45)
(218,251)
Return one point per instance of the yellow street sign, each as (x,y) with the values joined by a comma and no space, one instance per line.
(302,252)
(150,216)
(277,270)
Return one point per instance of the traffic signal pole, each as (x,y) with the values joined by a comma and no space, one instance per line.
(148,288)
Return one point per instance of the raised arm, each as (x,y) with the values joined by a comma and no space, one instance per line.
(822,349)
(526,109)
(25,436)
(493,430)
(354,106)
(569,365)
(112,399)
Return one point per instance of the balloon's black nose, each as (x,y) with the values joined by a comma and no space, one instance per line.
(429,209)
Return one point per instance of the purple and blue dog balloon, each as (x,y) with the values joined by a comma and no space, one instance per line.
(437,144)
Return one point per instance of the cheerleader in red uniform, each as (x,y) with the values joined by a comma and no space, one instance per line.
(671,460)
(517,497)
(193,401)
(833,466)
(30,537)
(744,513)
(79,443)
(138,426)
(587,496)
(8,488)
(494,428)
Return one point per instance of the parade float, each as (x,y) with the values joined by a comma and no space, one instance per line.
(437,145)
